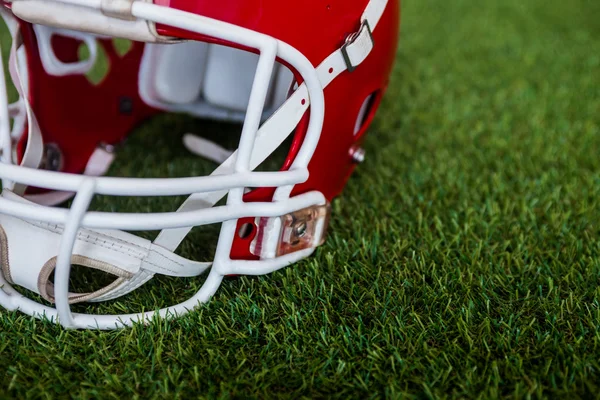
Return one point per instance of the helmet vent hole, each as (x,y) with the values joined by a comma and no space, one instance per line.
(122,46)
(101,67)
(246,230)
(303,101)
(331,70)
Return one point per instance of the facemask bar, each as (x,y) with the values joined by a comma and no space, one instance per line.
(5,136)
(229,179)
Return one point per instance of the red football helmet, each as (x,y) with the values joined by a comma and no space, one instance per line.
(314,72)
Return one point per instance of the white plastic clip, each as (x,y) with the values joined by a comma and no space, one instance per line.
(52,65)
(120,9)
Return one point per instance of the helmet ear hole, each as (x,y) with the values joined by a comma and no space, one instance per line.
(366,113)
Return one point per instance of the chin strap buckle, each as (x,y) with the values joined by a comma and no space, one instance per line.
(358,46)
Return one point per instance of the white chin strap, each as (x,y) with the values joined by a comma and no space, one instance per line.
(28,252)
(29,249)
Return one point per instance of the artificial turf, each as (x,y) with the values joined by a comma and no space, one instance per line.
(464,257)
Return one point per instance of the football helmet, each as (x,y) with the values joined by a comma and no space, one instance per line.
(313,72)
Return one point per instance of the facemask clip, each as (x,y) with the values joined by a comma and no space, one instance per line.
(304,229)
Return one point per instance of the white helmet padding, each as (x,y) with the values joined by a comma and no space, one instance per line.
(206,80)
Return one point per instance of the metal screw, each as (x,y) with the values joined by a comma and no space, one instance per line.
(300,229)
(109,148)
(358,154)
(52,160)
(125,105)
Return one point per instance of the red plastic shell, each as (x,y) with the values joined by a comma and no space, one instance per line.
(78,115)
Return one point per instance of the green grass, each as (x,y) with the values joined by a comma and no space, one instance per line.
(464,259)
